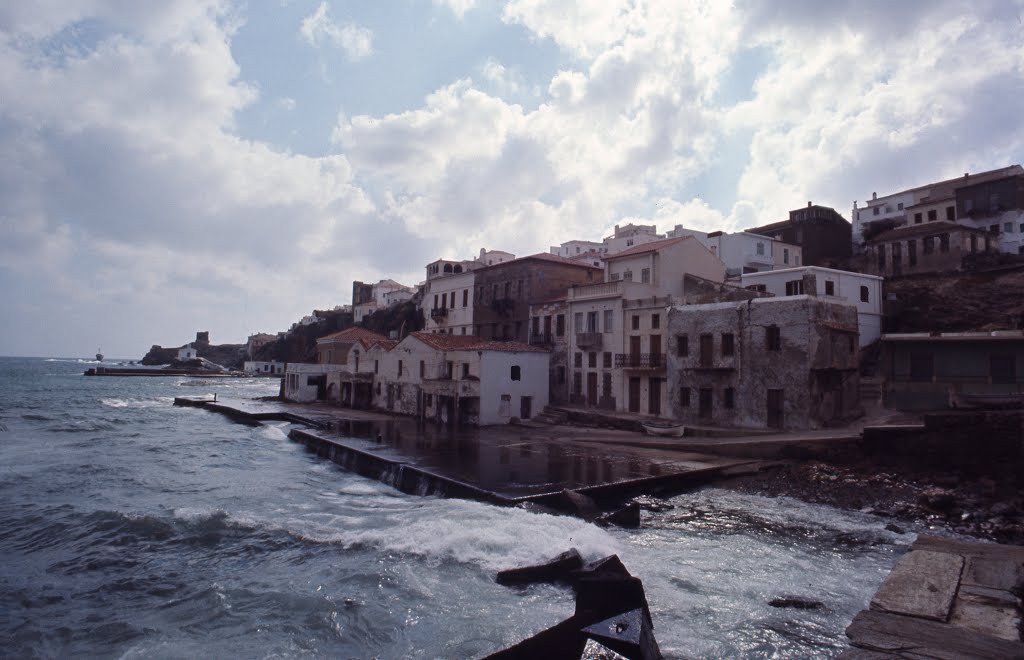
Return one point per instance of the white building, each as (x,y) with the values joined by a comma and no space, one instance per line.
(461,379)
(630,235)
(745,252)
(857,289)
(304,382)
(368,298)
(188,352)
(263,368)
(571,249)
(448,304)
(616,352)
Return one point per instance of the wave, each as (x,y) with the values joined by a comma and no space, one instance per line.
(158,402)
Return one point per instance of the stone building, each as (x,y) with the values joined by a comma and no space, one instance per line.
(823,234)
(504,291)
(785,363)
(548,330)
(935,247)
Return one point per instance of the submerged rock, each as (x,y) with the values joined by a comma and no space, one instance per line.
(628,516)
(560,568)
(798,602)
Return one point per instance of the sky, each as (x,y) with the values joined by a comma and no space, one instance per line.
(230,166)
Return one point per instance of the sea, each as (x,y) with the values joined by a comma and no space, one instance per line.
(131,528)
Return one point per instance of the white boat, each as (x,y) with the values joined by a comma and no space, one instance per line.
(99,355)
(664,429)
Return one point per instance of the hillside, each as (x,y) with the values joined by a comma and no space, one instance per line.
(992,300)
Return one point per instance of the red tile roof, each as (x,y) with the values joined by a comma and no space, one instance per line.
(353,335)
(647,247)
(445,342)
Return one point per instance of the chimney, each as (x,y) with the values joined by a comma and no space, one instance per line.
(808,205)
(965,175)
(874,195)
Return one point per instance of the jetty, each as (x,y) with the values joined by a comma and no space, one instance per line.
(945,598)
(140,371)
(504,465)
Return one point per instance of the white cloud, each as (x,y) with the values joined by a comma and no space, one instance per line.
(318,29)
(457,7)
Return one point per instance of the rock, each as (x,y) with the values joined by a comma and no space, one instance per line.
(607,595)
(798,602)
(609,566)
(578,504)
(560,568)
(628,516)
(937,499)
(628,634)
(1003,509)
(895,529)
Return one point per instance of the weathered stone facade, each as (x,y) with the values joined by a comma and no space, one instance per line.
(786,363)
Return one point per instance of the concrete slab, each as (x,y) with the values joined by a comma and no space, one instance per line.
(994,573)
(985,611)
(922,584)
(908,637)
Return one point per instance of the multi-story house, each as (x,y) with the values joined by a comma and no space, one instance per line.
(548,330)
(504,291)
(744,252)
(859,290)
(785,363)
(933,247)
(616,348)
(822,234)
(368,298)
(986,200)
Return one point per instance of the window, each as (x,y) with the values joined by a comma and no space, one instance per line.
(876,210)
(516,372)
(682,345)
(560,325)
(448,368)
(655,321)
(921,367)
(645,275)
(899,206)
(435,301)
(918,218)
(968,205)
(399,367)
(465,297)
(684,397)
(830,288)
(636,321)
(592,322)
(707,348)
(1008,227)
(993,202)
(423,368)
(592,359)
(785,255)
(993,229)
(578,360)
(943,242)
(465,370)
(865,295)
(729,397)
(773,338)
(463,329)
(951,213)
(933,215)
(535,328)
(760,249)
(728,347)
(929,244)
(444,300)
(577,320)
(606,385)
(627,275)
(794,287)
(376,366)
(881,257)
(312,381)
(577,382)
(606,360)
(608,323)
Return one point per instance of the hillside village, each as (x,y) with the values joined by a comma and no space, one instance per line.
(916,303)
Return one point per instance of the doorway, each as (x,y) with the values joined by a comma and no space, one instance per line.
(775,419)
(654,396)
(634,395)
(592,388)
(705,403)
(525,406)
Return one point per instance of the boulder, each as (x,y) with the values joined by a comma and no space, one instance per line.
(578,504)
(937,499)
(628,516)
(561,568)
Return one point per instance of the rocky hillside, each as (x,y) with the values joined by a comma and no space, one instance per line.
(990,300)
(230,356)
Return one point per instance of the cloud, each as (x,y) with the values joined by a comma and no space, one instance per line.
(457,7)
(318,29)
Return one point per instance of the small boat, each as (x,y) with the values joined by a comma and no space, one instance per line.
(668,429)
(99,355)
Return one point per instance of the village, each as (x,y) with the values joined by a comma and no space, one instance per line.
(792,325)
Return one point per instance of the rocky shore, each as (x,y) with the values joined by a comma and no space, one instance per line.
(988,507)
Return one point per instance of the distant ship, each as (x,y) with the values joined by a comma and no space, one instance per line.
(99,355)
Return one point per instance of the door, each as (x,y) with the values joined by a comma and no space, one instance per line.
(525,404)
(654,396)
(592,388)
(707,348)
(634,395)
(634,352)
(775,409)
(705,403)
(655,350)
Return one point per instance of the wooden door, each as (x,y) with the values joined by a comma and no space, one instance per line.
(592,388)
(525,407)
(634,351)
(655,351)
(654,396)
(775,419)
(634,395)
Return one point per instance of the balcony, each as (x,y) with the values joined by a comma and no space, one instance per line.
(589,339)
(648,361)
(601,290)
(439,313)
(542,340)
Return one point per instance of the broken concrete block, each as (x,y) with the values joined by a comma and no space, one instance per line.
(628,633)
(560,568)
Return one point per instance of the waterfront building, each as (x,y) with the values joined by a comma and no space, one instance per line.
(859,290)
(263,367)
(783,363)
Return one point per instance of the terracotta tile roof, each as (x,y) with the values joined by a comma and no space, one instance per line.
(352,335)
(923,229)
(647,247)
(445,342)
(386,344)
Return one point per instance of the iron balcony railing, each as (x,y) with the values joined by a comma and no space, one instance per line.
(640,360)
(542,339)
(439,313)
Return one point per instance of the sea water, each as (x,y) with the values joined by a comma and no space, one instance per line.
(133,528)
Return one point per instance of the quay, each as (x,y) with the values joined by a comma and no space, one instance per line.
(501,465)
(138,371)
(946,598)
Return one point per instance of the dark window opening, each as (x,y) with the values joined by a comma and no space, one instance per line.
(655,321)
(830,288)
(684,397)
(682,345)
(516,372)
(773,338)
(728,346)
(933,215)
(865,295)
(729,397)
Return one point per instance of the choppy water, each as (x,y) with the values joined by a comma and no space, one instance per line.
(131,528)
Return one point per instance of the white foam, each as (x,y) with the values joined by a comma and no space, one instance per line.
(138,403)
